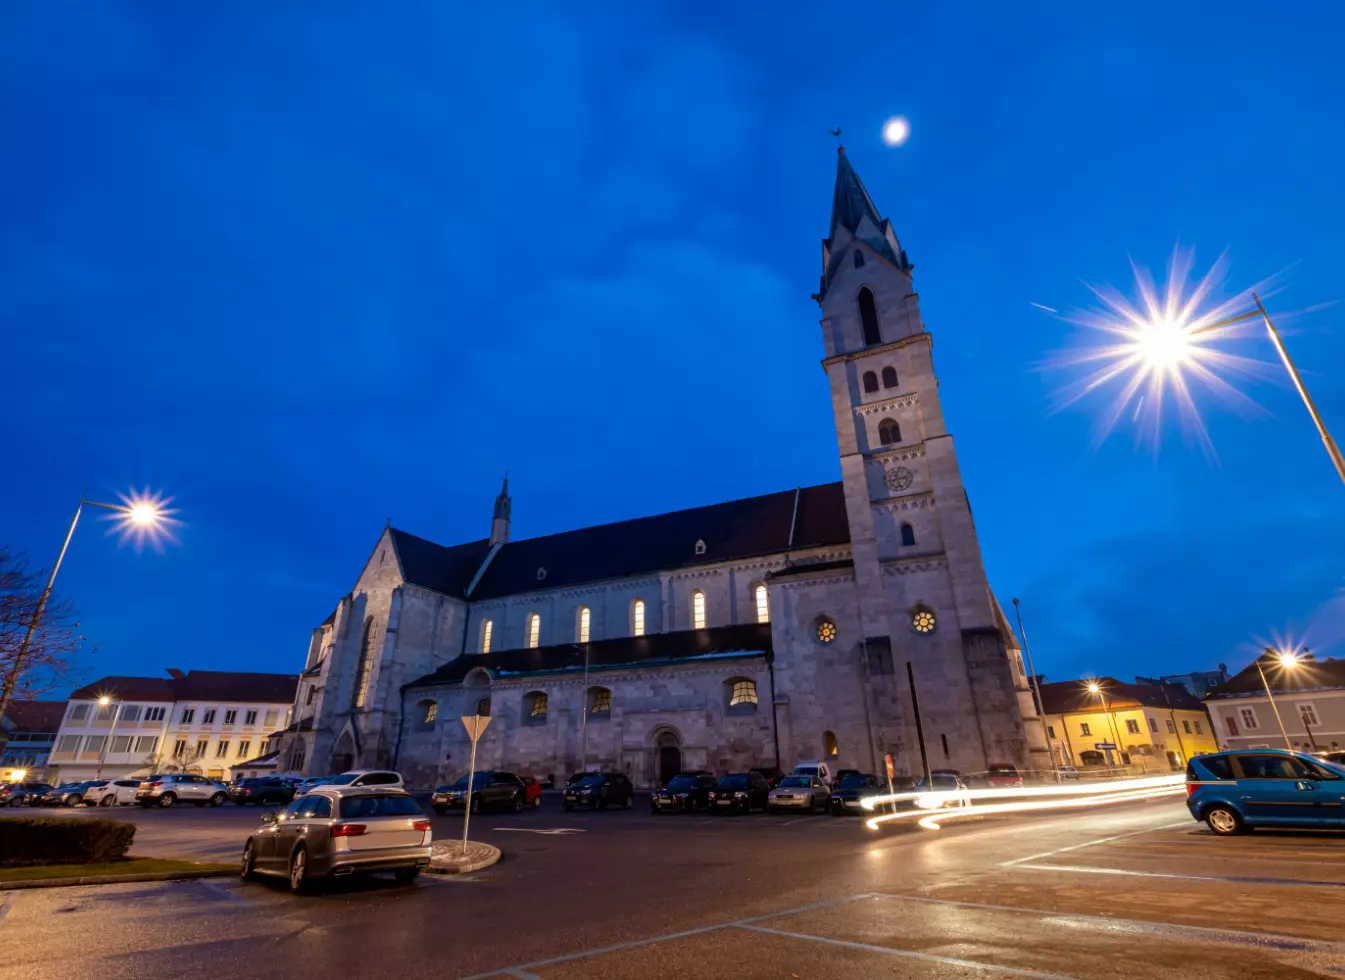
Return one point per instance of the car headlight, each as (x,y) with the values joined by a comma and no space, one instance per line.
(739,795)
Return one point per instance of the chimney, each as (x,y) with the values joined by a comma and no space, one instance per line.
(176,674)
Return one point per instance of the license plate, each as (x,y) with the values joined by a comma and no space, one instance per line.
(852,802)
(722,802)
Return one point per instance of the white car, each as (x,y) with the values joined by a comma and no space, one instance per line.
(360,777)
(111,792)
(166,789)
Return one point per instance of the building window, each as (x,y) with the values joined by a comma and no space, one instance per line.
(201,746)
(599,702)
(742,694)
(154,714)
(1197,724)
(104,712)
(534,629)
(130,712)
(763,603)
(121,744)
(230,717)
(483,706)
(188,715)
(208,716)
(295,762)
(889,377)
(1153,725)
(1308,713)
(146,744)
(700,547)
(179,748)
(244,748)
(870,382)
(222,749)
(907,535)
(829,747)
(581,630)
(365,663)
(271,717)
(698,610)
(426,712)
(94,744)
(868,317)
(312,693)
(78,712)
(251,717)
(1186,726)
(534,708)
(68,743)
(1172,727)
(859,259)
(1132,726)
(923,621)
(889,433)
(487,628)
(637,618)
(825,630)
(1084,729)
(1249,721)
(1050,731)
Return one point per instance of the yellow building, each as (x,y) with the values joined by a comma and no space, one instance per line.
(1102,723)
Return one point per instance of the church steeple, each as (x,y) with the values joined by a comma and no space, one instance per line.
(499,527)
(854,217)
(850,202)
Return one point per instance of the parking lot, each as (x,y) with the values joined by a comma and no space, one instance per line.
(1139,890)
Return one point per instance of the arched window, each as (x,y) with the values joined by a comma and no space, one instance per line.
(487,628)
(889,433)
(366,664)
(599,703)
(907,535)
(870,382)
(483,706)
(534,708)
(426,712)
(581,625)
(742,692)
(700,547)
(534,629)
(868,317)
(763,603)
(859,259)
(698,610)
(294,760)
(829,745)
(637,618)
(889,377)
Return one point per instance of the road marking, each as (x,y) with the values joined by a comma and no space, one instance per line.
(910,954)
(1234,880)
(6,903)
(531,830)
(1091,843)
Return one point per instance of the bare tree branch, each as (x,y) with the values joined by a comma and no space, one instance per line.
(48,662)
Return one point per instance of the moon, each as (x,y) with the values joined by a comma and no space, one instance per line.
(896,130)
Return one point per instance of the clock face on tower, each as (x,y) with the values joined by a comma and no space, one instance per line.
(899,478)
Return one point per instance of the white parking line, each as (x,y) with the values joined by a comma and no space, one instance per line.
(1091,843)
(1230,879)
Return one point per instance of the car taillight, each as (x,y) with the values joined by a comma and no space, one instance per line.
(1191,788)
(348,830)
(154,784)
(420,825)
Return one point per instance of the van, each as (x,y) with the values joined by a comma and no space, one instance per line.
(811,767)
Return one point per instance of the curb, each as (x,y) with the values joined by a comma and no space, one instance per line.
(117,879)
(490,855)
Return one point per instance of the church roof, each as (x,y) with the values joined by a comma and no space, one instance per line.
(719,643)
(731,530)
(850,205)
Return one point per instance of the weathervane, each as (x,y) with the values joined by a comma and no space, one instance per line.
(836,133)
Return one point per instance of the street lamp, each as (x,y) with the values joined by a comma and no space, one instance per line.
(141,516)
(1285,661)
(103,702)
(1095,689)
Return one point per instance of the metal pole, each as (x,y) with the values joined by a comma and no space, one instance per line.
(1178,732)
(467,812)
(1035,687)
(12,678)
(583,720)
(919,728)
(1332,449)
(1273,706)
(1115,734)
(116,710)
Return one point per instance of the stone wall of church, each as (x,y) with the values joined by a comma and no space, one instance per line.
(680,705)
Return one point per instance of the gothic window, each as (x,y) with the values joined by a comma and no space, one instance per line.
(582,624)
(829,747)
(907,535)
(889,377)
(763,603)
(922,620)
(534,708)
(487,628)
(698,610)
(426,712)
(599,703)
(295,759)
(366,664)
(637,618)
(870,382)
(889,433)
(534,629)
(825,630)
(483,706)
(868,317)
(742,693)
(859,259)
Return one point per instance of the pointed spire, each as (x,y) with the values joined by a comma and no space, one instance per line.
(502,502)
(499,526)
(850,202)
(850,205)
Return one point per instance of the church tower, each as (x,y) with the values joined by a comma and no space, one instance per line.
(499,525)
(923,595)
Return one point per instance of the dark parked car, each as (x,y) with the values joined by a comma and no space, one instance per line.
(773,774)
(262,790)
(18,794)
(685,792)
(850,794)
(600,789)
(491,790)
(740,792)
(67,794)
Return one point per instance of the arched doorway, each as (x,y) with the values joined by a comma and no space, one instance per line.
(669,747)
(343,756)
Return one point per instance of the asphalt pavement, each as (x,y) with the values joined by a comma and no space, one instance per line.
(1140,890)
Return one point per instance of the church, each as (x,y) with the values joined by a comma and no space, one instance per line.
(804,624)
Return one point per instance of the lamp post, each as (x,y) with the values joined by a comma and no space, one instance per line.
(1035,687)
(1287,661)
(1096,689)
(104,702)
(140,515)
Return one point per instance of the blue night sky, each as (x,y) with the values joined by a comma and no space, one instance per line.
(308,266)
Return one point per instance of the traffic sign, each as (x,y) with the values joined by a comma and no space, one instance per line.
(1104,745)
(891,771)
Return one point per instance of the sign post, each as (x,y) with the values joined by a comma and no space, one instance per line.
(475,725)
(887,759)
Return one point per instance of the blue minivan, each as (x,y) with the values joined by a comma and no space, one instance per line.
(1238,791)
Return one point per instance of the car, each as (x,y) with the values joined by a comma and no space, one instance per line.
(599,790)
(945,788)
(1241,790)
(842,773)
(340,830)
(1002,775)
(66,794)
(773,774)
(685,792)
(740,792)
(21,794)
(169,788)
(112,792)
(306,783)
(262,790)
(807,793)
(852,790)
(814,768)
(365,777)
(491,790)
(534,790)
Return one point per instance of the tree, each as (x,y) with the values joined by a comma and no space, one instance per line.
(46,663)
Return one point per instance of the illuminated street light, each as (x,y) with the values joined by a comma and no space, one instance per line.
(1287,661)
(1095,689)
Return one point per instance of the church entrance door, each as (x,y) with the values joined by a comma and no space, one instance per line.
(669,763)
(343,756)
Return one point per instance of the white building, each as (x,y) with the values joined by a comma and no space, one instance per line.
(1309,703)
(204,721)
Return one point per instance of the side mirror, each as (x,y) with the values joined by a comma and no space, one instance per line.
(269,817)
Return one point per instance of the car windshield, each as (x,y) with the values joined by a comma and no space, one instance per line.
(806,771)
(345,779)
(796,781)
(365,807)
(684,782)
(854,782)
(592,779)
(733,782)
(940,782)
(1003,771)
(478,779)
(71,786)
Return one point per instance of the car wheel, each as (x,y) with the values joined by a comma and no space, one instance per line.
(16,801)
(245,869)
(599,802)
(108,801)
(404,876)
(299,872)
(630,802)
(476,804)
(518,802)
(167,800)
(441,810)
(537,800)
(218,799)
(1223,820)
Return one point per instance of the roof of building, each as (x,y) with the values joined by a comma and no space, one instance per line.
(720,642)
(196,685)
(850,205)
(1073,696)
(1310,675)
(34,716)
(267,761)
(731,530)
